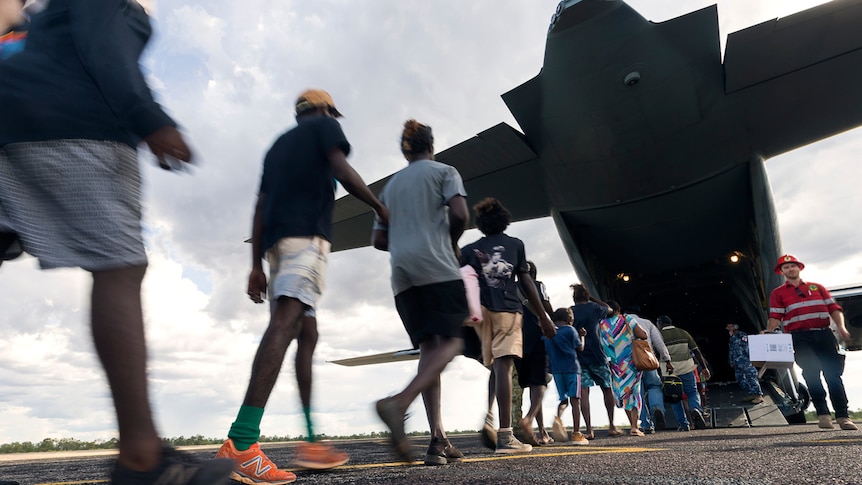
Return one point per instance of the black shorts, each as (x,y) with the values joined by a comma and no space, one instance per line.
(435,309)
(533,369)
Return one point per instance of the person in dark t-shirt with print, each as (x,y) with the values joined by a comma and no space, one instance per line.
(498,258)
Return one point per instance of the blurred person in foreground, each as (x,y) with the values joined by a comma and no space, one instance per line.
(292,227)
(427,215)
(74,106)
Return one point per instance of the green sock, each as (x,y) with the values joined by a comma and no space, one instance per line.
(245,431)
(308,426)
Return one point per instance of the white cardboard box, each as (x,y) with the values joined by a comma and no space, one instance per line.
(770,348)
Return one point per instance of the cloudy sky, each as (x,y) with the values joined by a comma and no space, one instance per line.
(228,71)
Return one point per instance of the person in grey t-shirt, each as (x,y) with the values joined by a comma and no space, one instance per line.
(427,215)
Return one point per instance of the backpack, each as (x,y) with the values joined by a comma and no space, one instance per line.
(671,387)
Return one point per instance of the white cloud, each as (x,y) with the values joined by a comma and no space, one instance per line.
(229,71)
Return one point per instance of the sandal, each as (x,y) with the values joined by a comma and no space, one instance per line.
(547,440)
(636,432)
(525,435)
(614,432)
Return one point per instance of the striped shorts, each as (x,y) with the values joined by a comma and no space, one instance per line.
(73,203)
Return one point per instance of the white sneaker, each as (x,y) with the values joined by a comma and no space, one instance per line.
(507,443)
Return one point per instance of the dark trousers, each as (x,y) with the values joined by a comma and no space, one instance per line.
(816,353)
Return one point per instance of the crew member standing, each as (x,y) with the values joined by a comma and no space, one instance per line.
(738,358)
(803,310)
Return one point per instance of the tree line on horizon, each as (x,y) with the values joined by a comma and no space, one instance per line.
(72,444)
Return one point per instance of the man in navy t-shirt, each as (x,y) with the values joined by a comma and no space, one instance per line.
(589,312)
(292,226)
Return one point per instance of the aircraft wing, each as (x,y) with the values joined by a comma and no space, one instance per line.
(497,162)
(791,75)
(398,356)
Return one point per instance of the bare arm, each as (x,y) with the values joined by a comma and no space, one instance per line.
(658,344)
(548,328)
(702,361)
(380,239)
(772,324)
(354,184)
(169,148)
(838,316)
(600,302)
(257,278)
(547,306)
(458,218)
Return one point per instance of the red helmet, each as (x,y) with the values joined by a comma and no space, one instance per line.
(787,258)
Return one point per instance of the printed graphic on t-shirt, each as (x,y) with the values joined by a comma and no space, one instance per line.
(495,268)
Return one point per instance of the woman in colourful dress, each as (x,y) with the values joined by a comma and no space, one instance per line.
(618,333)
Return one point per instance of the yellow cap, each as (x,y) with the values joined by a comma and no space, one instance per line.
(316,98)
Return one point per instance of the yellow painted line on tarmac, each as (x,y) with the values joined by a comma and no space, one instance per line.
(519,456)
(592,450)
(580,451)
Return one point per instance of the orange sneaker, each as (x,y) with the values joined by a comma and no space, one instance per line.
(318,456)
(252,466)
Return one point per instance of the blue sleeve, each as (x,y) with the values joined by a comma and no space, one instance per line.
(109,36)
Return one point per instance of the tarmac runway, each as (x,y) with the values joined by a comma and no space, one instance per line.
(764,455)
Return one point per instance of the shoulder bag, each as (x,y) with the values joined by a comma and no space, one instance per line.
(643,356)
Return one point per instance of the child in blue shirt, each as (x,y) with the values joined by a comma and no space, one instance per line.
(563,362)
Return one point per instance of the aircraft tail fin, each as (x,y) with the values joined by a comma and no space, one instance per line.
(791,74)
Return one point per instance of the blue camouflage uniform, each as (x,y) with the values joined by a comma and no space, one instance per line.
(746,374)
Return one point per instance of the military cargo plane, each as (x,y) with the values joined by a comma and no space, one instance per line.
(648,150)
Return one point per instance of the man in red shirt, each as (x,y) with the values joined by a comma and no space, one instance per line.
(804,309)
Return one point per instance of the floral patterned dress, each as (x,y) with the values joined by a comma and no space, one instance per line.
(617,336)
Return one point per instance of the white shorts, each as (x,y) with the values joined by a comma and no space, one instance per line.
(297,269)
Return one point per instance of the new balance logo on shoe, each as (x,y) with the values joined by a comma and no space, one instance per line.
(260,466)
